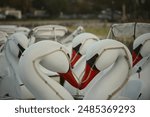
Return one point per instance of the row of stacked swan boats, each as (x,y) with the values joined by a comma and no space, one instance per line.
(48,63)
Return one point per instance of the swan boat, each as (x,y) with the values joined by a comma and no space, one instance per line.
(114,60)
(79,46)
(141,63)
(11,86)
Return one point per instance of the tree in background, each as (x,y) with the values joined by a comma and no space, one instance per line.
(53,7)
(135,8)
(23,5)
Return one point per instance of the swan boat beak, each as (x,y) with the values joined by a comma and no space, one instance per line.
(75,55)
(68,76)
(90,72)
(136,55)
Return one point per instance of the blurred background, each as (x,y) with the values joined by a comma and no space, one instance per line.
(94,15)
(111,10)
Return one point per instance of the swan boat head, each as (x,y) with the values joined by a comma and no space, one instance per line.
(101,55)
(54,57)
(80,44)
(18,42)
(141,64)
(141,48)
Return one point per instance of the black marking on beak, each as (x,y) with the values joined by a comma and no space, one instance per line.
(77,47)
(137,50)
(21,50)
(92,61)
(75,55)
(90,72)
(68,55)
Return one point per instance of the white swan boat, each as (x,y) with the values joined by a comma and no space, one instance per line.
(141,63)
(11,85)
